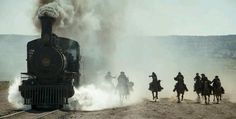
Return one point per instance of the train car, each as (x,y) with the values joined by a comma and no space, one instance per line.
(52,69)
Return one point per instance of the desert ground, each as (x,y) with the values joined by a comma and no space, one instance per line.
(165,108)
(5,107)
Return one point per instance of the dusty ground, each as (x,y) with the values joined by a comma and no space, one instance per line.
(5,107)
(164,109)
(4,85)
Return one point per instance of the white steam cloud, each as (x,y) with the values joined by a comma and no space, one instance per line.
(94,23)
(92,98)
(14,96)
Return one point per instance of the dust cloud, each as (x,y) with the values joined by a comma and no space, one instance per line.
(14,96)
(94,24)
(169,55)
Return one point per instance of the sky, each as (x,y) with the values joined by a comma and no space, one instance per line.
(142,17)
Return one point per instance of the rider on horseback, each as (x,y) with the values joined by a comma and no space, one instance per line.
(155,84)
(197,80)
(123,82)
(180,79)
(204,82)
(180,87)
(216,81)
(108,78)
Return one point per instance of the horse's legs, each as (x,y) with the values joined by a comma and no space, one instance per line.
(217,97)
(178,95)
(156,95)
(205,99)
(153,95)
(209,99)
(199,97)
(214,97)
(121,99)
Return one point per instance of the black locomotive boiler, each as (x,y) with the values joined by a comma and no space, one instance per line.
(52,69)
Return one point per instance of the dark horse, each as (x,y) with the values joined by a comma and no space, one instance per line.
(180,87)
(206,89)
(217,89)
(123,87)
(155,86)
(123,91)
(198,89)
(198,86)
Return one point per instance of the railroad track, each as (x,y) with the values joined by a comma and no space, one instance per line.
(11,115)
(29,114)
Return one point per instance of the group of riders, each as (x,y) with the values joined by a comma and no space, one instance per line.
(123,87)
(206,87)
(202,86)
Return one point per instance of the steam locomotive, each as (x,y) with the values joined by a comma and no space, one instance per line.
(52,69)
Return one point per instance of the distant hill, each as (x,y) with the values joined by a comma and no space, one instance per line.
(13,49)
(13,55)
(207,46)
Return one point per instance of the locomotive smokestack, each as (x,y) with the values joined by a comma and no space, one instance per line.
(46,33)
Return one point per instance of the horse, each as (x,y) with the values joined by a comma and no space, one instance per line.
(217,91)
(180,88)
(206,91)
(198,89)
(123,91)
(155,87)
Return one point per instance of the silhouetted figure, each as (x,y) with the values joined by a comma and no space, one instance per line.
(206,88)
(215,80)
(155,86)
(197,80)
(108,84)
(218,90)
(123,86)
(179,77)
(180,87)
(109,77)
(197,85)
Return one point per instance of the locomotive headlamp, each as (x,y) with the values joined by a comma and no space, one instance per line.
(46,62)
